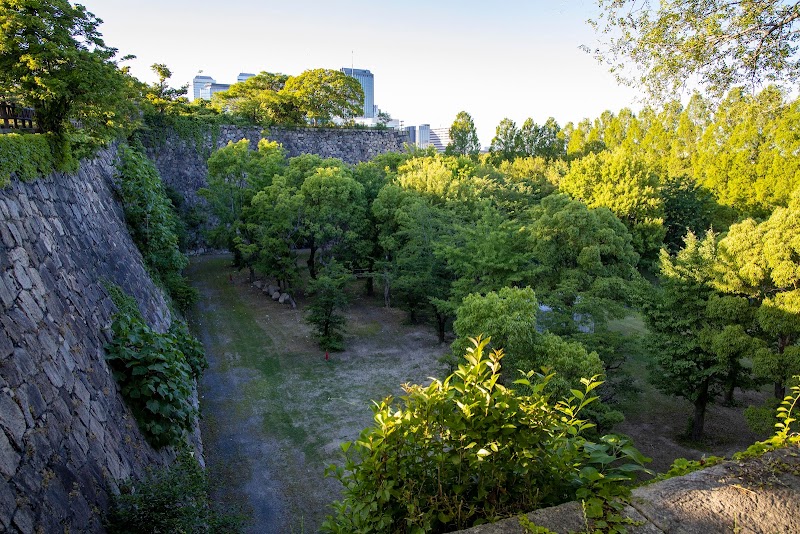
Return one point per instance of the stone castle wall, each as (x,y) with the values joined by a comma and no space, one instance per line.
(182,164)
(66,435)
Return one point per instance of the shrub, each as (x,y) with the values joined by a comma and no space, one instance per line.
(173,499)
(468,450)
(27,156)
(153,224)
(155,372)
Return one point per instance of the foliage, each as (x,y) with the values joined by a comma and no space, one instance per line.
(171,499)
(463,136)
(330,298)
(761,262)
(688,207)
(260,100)
(26,156)
(156,372)
(682,466)
(323,94)
(700,340)
(468,450)
(53,58)
(718,43)
(160,95)
(153,224)
(506,142)
(629,187)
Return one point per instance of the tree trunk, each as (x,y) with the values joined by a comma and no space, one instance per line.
(441,322)
(700,412)
(386,293)
(780,391)
(728,401)
(312,262)
(252,274)
(370,286)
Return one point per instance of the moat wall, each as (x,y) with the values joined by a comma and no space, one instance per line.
(66,436)
(182,163)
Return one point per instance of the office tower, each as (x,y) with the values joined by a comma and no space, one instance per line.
(367,81)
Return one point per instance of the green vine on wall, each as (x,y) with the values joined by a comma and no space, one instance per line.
(29,156)
(156,372)
(153,224)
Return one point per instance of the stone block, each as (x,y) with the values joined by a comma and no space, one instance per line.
(23,520)
(12,418)
(9,458)
(8,290)
(8,505)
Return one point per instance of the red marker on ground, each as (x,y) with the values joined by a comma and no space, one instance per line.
(326,355)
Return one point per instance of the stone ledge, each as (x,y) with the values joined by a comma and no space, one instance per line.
(759,495)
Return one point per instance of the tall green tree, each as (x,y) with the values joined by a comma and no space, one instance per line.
(506,142)
(463,136)
(53,57)
(761,261)
(334,216)
(626,184)
(675,315)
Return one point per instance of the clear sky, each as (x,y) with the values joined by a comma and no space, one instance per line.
(431,59)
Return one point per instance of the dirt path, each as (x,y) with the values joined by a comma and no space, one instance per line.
(274,412)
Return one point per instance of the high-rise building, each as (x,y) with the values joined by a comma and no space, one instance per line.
(197,85)
(440,138)
(244,76)
(210,88)
(423,135)
(367,81)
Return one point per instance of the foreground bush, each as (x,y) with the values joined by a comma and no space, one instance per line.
(468,450)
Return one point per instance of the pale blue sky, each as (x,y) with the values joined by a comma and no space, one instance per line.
(431,59)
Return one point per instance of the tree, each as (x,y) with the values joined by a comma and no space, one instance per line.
(260,99)
(52,57)
(718,43)
(761,261)
(508,317)
(463,136)
(506,142)
(323,94)
(330,298)
(160,94)
(235,175)
(625,183)
(334,215)
(675,315)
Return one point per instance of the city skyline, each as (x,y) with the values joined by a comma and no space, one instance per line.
(517,60)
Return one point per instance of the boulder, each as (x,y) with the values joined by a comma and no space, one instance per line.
(276,295)
(258,284)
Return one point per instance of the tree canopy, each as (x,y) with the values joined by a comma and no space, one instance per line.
(52,57)
(463,136)
(717,43)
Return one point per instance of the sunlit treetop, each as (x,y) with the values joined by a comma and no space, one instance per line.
(664,46)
